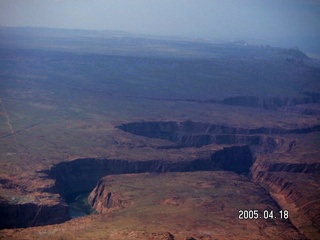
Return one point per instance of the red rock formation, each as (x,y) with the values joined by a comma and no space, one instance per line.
(296,193)
(104,201)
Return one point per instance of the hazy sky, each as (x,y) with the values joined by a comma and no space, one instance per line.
(261,19)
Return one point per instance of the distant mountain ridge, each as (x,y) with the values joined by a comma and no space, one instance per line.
(112,42)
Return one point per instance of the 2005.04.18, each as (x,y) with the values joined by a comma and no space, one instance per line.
(255,214)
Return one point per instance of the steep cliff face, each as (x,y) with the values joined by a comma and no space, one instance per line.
(313,168)
(295,191)
(81,175)
(104,201)
(294,187)
(197,134)
(32,214)
(295,168)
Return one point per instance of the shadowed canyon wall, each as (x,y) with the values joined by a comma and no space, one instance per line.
(197,134)
(32,214)
(82,175)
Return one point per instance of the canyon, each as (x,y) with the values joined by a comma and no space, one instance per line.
(167,144)
(235,154)
(81,175)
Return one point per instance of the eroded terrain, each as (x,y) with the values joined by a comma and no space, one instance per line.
(172,146)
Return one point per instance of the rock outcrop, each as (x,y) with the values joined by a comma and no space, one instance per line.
(104,201)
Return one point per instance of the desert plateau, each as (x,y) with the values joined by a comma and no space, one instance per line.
(112,135)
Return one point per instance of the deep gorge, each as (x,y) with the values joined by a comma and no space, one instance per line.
(239,150)
(82,175)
